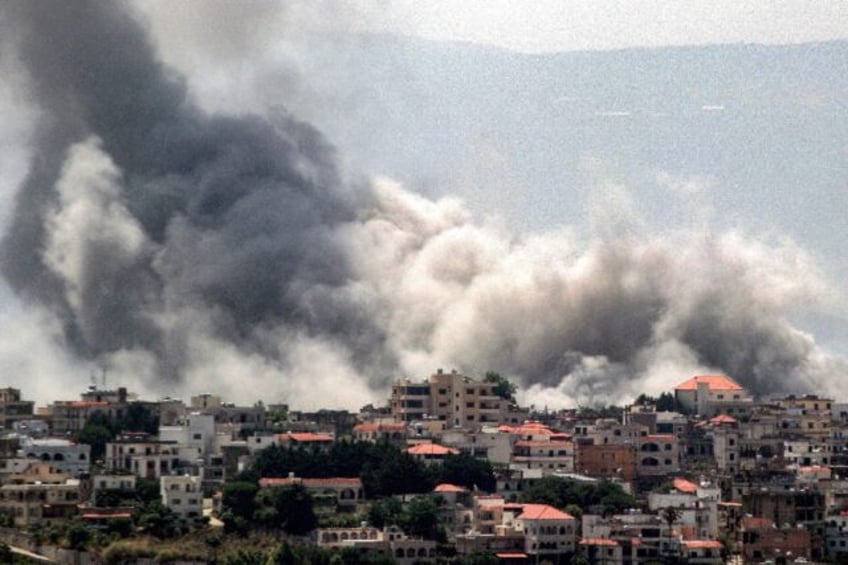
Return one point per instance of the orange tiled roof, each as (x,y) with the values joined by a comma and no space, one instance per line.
(756,523)
(714,382)
(723,419)
(685,486)
(542,512)
(599,541)
(702,544)
(447,487)
(431,449)
(306,437)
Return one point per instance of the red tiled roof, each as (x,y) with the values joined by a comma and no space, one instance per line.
(447,487)
(431,449)
(84,403)
(511,555)
(702,544)
(685,486)
(723,419)
(714,382)
(305,437)
(599,541)
(542,512)
(756,523)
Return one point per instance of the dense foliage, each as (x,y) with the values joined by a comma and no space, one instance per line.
(603,497)
(384,469)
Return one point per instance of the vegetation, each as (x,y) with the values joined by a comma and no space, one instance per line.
(503,387)
(384,469)
(602,497)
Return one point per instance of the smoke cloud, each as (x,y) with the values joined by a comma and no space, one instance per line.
(185,251)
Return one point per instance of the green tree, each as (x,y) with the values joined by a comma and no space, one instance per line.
(503,387)
(288,508)
(238,498)
(138,418)
(467,471)
(98,430)
(603,496)
(78,536)
(385,512)
(421,518)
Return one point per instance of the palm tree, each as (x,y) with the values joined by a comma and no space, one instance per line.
(670,514)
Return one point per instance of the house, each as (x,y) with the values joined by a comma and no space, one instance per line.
(389,542)
(601,550)
(431,453)
(183,495)
(144,457)
(708,395)
(547,531)
(341,493)
(41,495)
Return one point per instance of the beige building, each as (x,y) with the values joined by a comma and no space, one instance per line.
(712,394)
(451,398)
(12,408)
(183,495)
(40,495)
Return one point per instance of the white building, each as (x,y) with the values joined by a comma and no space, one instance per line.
(183,495)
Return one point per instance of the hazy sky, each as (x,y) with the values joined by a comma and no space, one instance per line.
(555,25)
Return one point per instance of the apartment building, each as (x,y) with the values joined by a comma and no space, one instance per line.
(182,494)
(451,398)
(13,408)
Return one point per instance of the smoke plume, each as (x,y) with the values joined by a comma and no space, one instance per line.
(183,249)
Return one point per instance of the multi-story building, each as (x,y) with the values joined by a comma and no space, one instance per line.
(708,395)
(183,495)
(41,495)
(142,456)
(451,398)
(13,408)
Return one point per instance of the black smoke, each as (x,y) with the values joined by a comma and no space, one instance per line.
(237,213)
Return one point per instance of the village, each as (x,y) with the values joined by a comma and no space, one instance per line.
(450,471)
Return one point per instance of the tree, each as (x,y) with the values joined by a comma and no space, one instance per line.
(97,436)
(138,418)
(467,471)
(288,508)
(421,518)
(607,497)
(78,537)
(238,498)
(503,387)
(670,515)
(385,512)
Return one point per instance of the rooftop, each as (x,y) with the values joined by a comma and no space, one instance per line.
(713,382)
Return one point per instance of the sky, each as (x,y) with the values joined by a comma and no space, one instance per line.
(584,25)
(289,197)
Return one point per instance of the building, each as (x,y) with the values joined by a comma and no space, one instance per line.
(707,394)
(183,495)
(13,408)
(41,495)
(334,493)
(547,531)
(451,398)
(431,452)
